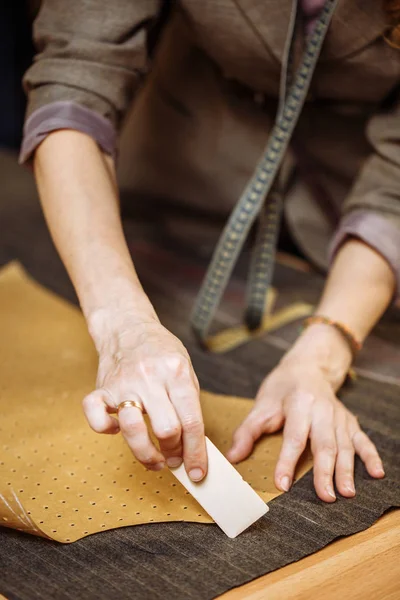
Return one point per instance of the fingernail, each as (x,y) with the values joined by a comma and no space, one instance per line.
(285,483)
(330,491)
(350,488)
(196,474)
(174,461)
(159,466)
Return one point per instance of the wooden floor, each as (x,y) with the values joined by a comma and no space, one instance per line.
(365,566)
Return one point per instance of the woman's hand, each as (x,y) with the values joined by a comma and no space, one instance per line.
(300,396)
(142,361)
(138,358)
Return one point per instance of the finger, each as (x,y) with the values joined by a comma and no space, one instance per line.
(324,449)
(264,418)
(344,471)
(368,453)
(185,398)
(295,436)
(134,430)
(165,424)
(96,413)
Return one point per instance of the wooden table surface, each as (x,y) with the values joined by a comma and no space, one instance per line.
(364,566)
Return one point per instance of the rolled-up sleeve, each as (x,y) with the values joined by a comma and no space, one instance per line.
(92,56)
(372,210)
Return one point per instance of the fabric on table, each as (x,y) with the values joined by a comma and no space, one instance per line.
(61,480)
(193,561)
(183,560)
(196,561)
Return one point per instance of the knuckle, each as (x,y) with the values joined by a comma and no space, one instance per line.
(178,366)
(328,447)
(322,470)
(370,448)
(302,398)
(144,451)
(197,457)
(148,460)
(346,448)
(346,472)
(193,425)
(296,441)
(266,419)
(167,433)
(359,438)
(89,401)
(325,476)
(185,391)
(147,367)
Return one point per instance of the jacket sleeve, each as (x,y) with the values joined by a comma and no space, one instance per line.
(92,55)
(372,210)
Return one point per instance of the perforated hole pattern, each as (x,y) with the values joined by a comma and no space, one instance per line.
(59,475)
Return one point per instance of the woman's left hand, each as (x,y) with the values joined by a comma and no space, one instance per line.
(300,396)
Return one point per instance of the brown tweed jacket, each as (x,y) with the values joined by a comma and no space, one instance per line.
(203,114)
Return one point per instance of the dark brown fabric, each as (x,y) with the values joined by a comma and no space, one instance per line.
(181,560)
(184,561)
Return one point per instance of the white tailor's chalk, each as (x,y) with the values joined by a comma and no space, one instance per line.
(224,494)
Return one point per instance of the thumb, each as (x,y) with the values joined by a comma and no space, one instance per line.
(257,423)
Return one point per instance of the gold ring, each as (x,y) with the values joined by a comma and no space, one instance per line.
(131,404)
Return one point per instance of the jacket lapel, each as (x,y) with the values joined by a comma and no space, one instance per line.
(355,24)
(269,20)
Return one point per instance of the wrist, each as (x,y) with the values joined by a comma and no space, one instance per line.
(110,320)
(326,349)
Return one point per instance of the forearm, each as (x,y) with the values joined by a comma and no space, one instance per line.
(78,192)
(358,290)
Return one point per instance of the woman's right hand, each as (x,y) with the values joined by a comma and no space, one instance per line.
(141,360)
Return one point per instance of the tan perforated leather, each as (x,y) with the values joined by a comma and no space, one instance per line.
(59,479)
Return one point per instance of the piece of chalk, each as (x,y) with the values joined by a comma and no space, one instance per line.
(224,494)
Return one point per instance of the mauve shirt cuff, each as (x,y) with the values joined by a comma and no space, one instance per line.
(376,231)
(66,115)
